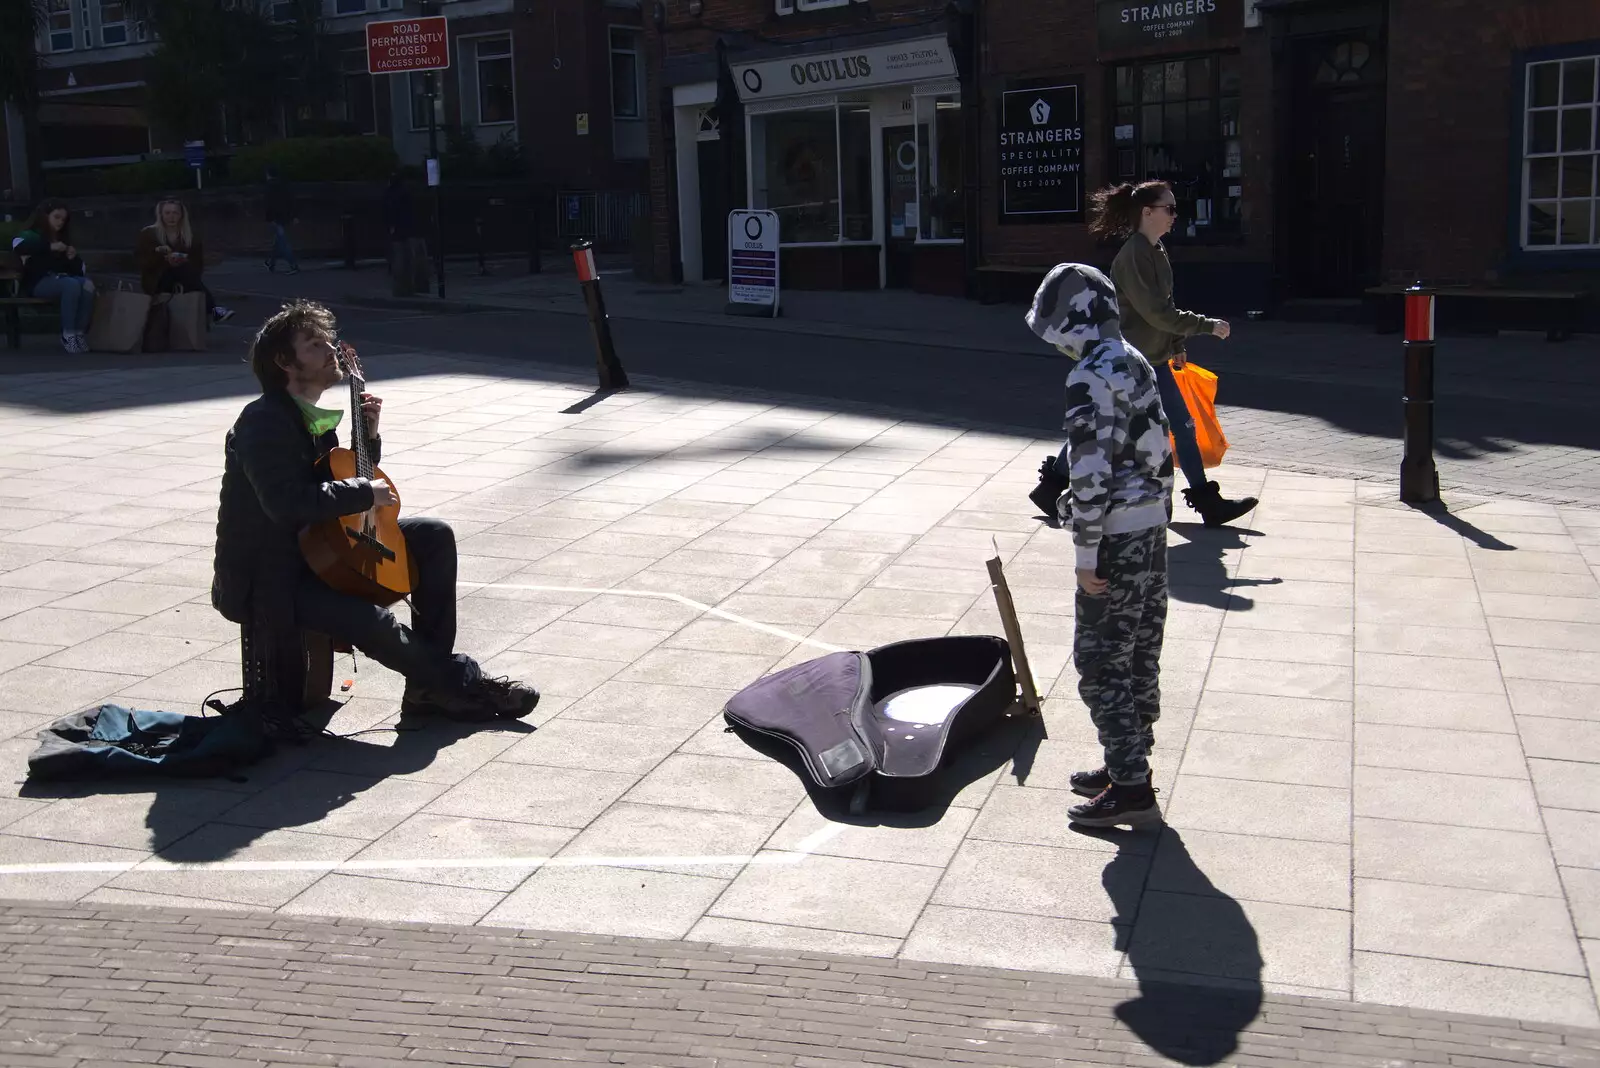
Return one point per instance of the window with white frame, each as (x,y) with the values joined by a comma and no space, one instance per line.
(58,25)
(113,22)
(1560,198)
(349,7)
(359,102)
(626,91)
(491,97)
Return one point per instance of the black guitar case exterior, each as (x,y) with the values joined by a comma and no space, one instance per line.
(836,713)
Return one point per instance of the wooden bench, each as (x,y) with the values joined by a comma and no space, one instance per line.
(1485,309)
(10,284)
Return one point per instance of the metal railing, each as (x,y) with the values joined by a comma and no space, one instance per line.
(607,219)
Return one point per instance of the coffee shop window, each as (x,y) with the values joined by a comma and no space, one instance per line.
(1177,120)
(813,167)
(939,162)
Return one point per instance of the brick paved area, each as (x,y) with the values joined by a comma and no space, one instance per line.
(97,985)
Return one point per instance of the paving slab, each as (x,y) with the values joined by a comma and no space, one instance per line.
(1413,724)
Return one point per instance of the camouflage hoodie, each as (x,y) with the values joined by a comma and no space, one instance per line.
(1120,460)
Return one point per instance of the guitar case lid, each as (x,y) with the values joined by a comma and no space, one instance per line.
(898,713)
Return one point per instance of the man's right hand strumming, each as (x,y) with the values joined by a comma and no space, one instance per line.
(383,494)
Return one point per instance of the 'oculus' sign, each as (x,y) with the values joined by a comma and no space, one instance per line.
(858,68)
(1041,155)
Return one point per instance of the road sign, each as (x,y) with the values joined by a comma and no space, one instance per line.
(194,153)
(398,46)
(753,262)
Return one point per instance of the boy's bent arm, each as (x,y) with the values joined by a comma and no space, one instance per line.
(1091,430)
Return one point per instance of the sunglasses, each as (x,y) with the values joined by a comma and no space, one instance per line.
(1170,209)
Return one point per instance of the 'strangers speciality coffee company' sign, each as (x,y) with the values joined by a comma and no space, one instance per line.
(833,72)
(1167,25)
(1041,155)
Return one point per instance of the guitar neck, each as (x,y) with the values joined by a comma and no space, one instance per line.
(358,429)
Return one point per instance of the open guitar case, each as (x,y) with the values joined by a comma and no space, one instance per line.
(883,724)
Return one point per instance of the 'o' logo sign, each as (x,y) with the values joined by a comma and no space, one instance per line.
(752,227)
(752,80)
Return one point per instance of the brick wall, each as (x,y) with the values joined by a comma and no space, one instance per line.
(1451,114)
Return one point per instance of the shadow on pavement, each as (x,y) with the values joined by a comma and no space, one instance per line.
(1439,512)
(1192,949)
(1197,570)
(309,793)
(1016,737)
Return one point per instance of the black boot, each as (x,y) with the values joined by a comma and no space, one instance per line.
(1052,484)
(1215,509)
(1130,806)
(1090,783)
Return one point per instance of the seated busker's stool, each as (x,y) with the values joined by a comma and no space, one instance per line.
(292,681)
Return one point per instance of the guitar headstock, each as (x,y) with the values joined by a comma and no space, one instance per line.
(351,364)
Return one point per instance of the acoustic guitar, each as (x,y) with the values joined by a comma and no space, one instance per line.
(363,555)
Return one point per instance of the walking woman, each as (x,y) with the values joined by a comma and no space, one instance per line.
(52,269)
(1142,215)
(170,256)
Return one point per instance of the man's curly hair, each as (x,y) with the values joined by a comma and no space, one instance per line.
(273,347)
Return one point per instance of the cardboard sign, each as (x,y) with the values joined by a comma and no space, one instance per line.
(753,260)
(399,46)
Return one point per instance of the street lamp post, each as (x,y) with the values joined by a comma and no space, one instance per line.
(436,170)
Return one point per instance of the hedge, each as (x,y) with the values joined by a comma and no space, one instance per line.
(316,159)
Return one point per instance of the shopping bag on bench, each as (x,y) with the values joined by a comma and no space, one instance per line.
(1199,389)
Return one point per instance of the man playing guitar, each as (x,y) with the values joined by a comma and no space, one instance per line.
(272,489)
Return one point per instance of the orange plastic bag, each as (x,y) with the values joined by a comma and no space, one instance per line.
(1199,388)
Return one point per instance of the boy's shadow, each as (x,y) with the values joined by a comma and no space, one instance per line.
(1197,570)
(1186,928)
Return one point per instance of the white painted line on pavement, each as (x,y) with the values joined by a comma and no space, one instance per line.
(155,864)
(765,628)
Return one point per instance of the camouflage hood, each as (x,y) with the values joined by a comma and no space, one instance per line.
(1075,309)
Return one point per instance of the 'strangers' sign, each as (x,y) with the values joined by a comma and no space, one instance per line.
(1041,155)
(1167,25)
(834,72)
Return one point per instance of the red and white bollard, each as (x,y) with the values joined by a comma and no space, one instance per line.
(1419,479)
(607,366)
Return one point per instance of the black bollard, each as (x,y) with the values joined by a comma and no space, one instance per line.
(609,368)
(1419,479)
(477,225)
(347,223)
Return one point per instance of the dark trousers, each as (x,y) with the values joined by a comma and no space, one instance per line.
(423,652)
(187,276)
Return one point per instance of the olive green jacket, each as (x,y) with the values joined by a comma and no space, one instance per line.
(1151,323)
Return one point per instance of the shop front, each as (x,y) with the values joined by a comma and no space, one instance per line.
(859,151)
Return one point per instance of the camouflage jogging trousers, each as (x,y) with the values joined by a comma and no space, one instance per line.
(1117,649)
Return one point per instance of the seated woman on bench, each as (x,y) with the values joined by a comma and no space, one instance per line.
(53,270)
(170,256)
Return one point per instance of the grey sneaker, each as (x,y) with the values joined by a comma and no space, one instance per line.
(509,699)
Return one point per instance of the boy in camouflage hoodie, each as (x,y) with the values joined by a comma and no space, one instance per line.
(1117,505)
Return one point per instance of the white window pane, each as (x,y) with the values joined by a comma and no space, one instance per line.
(1577,81)
(625,85)
(494,46)
(1577,220)
(1544,85)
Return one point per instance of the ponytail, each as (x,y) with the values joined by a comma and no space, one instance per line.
(1115,210)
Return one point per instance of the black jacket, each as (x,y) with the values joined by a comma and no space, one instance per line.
(42,260)
(271,490)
